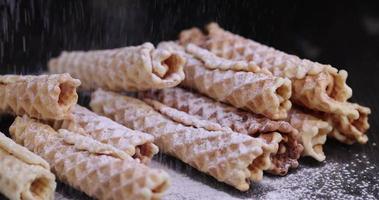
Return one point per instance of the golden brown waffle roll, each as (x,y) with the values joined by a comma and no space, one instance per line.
(265,161)
(313,132)
(24,175)
(317,86)
(43,96)
(239,121)
(349,130)
(98,169)
(134,143)
(258,92)
(124,69)
(229,157)
(314,85)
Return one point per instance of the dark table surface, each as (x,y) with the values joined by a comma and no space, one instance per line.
(344,35)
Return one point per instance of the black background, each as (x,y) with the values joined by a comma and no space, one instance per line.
(342,33)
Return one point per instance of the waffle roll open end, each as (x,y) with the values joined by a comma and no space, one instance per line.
(42,96)
(350,130)
(23,174)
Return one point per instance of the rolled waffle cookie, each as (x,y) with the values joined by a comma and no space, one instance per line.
(239,121)
(99,170)
(350,130)
(316,86)
(24,175)
(42,97)
(313,132)
(269,156)
(229,157)
(124,69)
(135,143)
(250,88)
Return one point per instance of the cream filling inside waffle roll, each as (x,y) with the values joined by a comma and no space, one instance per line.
(42,96)
(100,170)
(251,89)
(24,175)
(316,86)
(131,68)
(229,117)
(229,157)
(85,122)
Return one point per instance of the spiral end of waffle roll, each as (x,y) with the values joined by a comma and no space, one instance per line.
(282,93)
(42,187)
(350,130)
(23,174)
(167,66)
(67,91)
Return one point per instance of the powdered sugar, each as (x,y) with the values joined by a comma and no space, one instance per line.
(348,173)
(333,180)
(355,178)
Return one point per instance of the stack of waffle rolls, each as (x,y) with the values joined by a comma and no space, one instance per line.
(24,175)
(42,96)
(131,68)
(257,90)
(237,123)
(237,120)
(318,87)
(229,157)
(135,143)
(311,131)
(100,170)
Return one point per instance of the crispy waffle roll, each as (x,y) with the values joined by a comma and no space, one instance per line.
(24,175)
(254,90)
(99,170)
(313,132)
(265,161)
(239,121)
(316,86)
(124,69)
(43,96)
(135,143)
(349,130)
(229,157)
